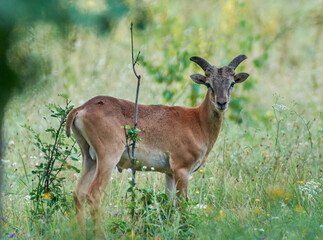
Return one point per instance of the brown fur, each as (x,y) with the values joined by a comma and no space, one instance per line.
(175,140)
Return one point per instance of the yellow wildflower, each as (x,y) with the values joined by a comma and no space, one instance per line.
(197,192)
(256,168)
(132,234)
(299,209)
(269,114)
(267,214)
(272,26)
(267,156)
(208,208)
(201,171)
(6,225)
(228,151)
(263,152)
(286,198)
(301,182)
(221,215)
(248,151)
(229,8)
(46,196)
(258,210)
(277,191)
(257,200)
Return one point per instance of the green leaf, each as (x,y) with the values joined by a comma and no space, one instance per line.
(65,96)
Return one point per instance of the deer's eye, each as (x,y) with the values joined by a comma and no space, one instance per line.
(232,84)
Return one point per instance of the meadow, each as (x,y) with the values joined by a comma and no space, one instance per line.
(262,179)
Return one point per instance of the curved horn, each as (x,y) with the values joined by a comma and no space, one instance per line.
(236,61)
(201,62)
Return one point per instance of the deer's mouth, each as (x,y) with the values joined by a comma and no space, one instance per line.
(221,108)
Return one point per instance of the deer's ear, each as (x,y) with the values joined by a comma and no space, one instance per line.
(198,78)
(241,77)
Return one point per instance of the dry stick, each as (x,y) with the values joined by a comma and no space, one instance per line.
(133,164)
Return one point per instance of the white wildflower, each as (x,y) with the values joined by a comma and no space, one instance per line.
(201,206)
(310,191)
(152,169)
(11,142)
(279,107)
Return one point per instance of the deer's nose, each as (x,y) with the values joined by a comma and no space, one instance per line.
(221,104)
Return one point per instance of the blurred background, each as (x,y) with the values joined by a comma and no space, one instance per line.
(84,57)
(82,49)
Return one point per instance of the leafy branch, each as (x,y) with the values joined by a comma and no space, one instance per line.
(131,133)
(48,194)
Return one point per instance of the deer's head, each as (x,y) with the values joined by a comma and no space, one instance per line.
(219,81)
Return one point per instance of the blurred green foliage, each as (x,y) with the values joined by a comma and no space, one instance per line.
(177,41)
(262,179)
(25,14)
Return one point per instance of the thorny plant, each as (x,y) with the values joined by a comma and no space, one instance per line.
(48,194)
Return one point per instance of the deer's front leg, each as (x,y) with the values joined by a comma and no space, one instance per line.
(181,181)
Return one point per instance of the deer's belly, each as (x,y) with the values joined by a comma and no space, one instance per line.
(147,160)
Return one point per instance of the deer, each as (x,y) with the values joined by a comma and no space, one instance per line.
(175,140)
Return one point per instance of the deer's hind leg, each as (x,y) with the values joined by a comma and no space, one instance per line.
(106,162)
(87,174)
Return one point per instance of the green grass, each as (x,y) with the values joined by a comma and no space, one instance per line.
(263,178)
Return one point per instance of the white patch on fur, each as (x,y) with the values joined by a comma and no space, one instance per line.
(92,153)
(152,159)
(78,123)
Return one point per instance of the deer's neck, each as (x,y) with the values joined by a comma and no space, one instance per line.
(211,120)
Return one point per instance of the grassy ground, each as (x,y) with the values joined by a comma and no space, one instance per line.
(263,178)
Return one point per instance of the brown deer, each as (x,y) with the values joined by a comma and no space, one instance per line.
(175,140)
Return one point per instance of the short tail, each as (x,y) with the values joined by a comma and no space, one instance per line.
(70,120)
